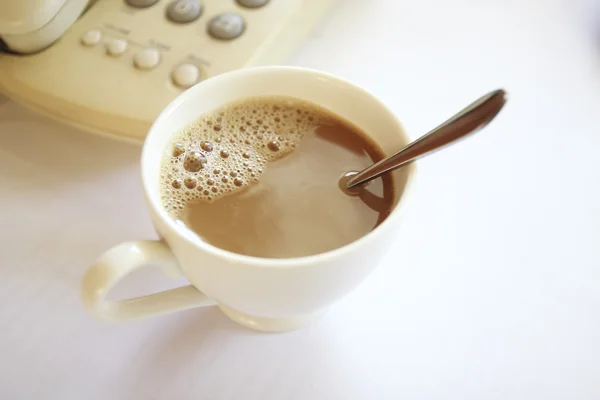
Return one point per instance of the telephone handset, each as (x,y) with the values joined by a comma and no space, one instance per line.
(27,26)
(110,66)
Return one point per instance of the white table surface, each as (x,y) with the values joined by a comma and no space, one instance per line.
(491,292)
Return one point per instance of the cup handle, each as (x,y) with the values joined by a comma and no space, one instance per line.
(118,262)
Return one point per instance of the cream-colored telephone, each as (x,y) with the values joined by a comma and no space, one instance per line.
(110,66)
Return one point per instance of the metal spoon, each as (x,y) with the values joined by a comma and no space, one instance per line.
(469,120)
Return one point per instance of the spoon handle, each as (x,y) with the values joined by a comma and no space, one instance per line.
(469,120)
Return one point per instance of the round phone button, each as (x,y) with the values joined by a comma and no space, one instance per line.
(252,3)
(226,26)
(183,11)
(146,58)
(116,47)
(141,3)
(91,38)
(185,75)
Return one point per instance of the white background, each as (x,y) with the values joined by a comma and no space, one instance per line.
(492,290)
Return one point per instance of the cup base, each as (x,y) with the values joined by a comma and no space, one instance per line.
(263,324)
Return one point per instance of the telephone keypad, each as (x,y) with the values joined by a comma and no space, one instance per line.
(183,11)
(226,26)
(223,26)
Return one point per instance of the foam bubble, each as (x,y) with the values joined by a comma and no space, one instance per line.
(194,161)
(178,149)
(190,182)
(273,145)
(227,150)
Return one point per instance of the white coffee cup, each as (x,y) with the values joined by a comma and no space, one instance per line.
(259,293)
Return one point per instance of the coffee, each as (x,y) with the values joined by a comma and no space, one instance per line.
(260,178)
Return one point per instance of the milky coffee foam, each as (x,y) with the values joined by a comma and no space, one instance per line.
(228,149)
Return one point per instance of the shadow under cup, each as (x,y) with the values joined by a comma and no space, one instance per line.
(275,288)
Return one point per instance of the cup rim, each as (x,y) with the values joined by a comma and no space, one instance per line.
(191,238)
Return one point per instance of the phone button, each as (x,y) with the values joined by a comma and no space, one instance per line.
(183,11)
(116,47)
(146,58)
(141,3)
(185,75)
(91,38)
(226,26)
(252,3)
